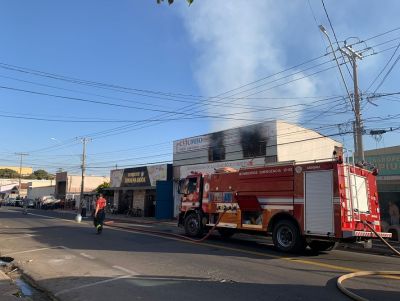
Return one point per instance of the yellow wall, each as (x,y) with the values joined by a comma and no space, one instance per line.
(25,171)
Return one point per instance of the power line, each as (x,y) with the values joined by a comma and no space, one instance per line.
(387,73)
(334,34)
(383,69)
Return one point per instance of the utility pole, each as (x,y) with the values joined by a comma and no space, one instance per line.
(20,170)
(84,140)
(358,126)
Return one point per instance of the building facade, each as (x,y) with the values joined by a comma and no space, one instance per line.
(387,160)
(253,145)
(68,187)
(135,188)
(36,190)
(10,187)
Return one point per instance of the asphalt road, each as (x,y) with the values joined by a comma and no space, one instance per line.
(73,263)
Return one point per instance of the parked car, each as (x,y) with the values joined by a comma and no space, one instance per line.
(49,202)
(11,201)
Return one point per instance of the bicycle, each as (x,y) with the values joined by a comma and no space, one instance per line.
(137,212)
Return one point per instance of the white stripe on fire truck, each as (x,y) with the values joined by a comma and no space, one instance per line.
(190,204)
(281,200)
(278,207)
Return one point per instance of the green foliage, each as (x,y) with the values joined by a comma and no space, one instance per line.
(172,1)
(41,174)
(101,187)
(8,173)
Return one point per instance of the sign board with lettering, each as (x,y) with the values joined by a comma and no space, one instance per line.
(245,137)
(143,176)
(209,168)
(387,164)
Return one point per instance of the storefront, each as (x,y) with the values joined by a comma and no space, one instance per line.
(135,188)
(387,160)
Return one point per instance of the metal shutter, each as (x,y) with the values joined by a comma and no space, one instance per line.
(319,202)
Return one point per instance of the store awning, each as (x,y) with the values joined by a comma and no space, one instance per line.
(8,188)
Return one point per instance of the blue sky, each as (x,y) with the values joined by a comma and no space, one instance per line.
(124,67)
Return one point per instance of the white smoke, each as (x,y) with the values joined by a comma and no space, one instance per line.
(238,42)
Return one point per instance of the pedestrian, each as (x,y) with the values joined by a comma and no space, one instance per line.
(83,209)
(394,213)
(100,214)
(25,205)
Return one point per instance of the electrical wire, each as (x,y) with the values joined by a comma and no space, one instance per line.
(383,69)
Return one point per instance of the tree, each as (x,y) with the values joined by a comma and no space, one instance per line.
(41,174)
(8,173)
(172,1)
(101,188)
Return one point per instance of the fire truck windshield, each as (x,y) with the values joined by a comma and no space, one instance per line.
(187,186)
(191,185)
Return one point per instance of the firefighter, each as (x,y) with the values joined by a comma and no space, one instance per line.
(100,214)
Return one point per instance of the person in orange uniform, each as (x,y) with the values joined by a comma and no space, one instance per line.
(99,214)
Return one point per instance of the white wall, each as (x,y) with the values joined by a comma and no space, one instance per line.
(301,144)
(37,192)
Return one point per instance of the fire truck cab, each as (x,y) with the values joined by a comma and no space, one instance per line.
(312,204)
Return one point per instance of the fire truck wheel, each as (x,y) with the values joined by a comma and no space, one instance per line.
(226,233)
(192,225)
(319,246)
(286,237)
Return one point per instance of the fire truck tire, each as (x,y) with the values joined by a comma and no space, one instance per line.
(287,238)
(193,226)
(226,233)
(319,246)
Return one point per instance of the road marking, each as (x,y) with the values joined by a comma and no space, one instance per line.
(91,284)
(87,256)
(34,250)
(131,273)
(18,237)
(63,219)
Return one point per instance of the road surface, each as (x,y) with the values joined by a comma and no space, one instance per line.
(73,263)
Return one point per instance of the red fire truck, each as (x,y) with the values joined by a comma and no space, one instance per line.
(314,204)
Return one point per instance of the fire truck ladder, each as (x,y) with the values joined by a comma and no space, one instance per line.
(350,186)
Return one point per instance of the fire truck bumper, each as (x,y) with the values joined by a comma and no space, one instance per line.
(348,234)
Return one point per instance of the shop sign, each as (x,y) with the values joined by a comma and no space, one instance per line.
(245,136)
(191,144)
(210,168)
(138,176)
(135,177)
(387,164)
